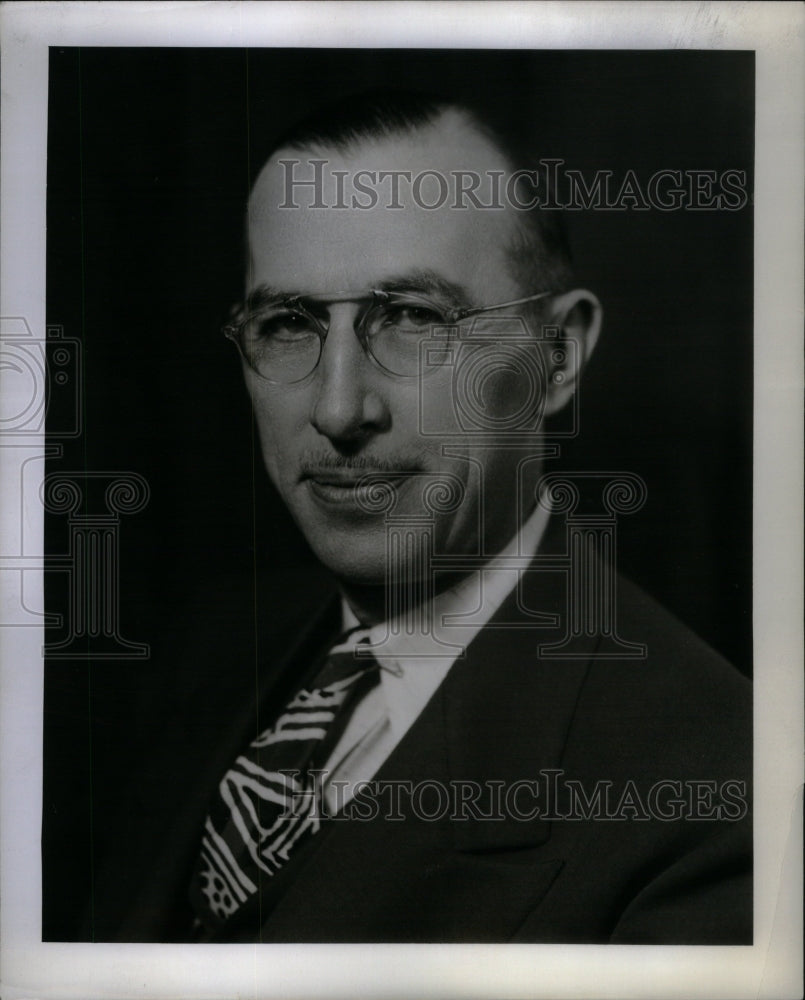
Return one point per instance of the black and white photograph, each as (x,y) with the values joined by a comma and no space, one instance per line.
(394,416)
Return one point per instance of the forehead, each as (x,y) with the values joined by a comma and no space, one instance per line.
(325,249)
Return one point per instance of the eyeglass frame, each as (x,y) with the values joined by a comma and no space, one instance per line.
(377,296)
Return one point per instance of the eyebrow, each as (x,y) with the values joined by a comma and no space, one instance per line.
(428,282)
(424,281)
(267,295)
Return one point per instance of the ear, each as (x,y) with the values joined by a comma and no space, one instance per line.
(578,314)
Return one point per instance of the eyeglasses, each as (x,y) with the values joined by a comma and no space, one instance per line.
(283,342)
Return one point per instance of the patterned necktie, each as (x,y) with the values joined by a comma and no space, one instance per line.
(268,801)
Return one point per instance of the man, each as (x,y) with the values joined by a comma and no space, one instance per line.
(479,768)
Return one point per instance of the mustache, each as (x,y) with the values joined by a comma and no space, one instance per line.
(324,461)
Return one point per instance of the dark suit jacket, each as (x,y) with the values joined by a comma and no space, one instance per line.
(504,714)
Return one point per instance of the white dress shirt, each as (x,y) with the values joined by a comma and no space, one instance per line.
(414,664)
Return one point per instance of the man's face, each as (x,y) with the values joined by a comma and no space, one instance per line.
(348,418)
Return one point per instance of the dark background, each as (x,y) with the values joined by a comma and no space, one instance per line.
(150,156)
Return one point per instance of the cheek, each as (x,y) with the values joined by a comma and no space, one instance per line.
(279,424)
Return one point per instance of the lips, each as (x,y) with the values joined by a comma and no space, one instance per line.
(336,493)
(350,488)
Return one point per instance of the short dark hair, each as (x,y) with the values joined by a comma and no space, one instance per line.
(541,246)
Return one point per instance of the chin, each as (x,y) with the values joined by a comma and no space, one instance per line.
(354,562)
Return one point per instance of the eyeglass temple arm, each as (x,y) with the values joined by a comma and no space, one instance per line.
(502,305)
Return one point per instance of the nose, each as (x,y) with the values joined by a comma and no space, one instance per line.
(349,404)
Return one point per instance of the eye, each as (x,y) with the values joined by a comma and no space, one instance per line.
(280,327)
(411,317)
